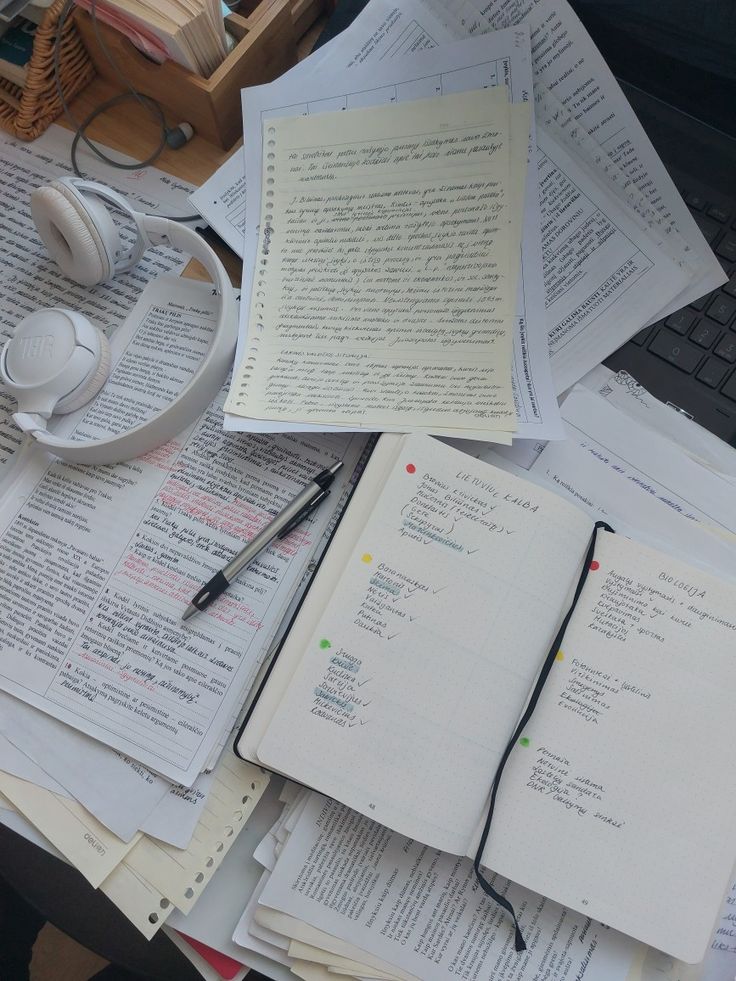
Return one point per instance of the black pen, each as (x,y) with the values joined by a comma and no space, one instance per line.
(303,504)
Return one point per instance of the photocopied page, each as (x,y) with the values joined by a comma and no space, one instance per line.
(500,58)
(30,279)
(421,911)
(386,281)
(442,604)
(98,563)
(625,756)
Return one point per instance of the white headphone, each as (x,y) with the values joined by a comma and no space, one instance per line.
(57,360)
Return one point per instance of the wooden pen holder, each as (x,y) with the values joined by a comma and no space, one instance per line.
(266,32)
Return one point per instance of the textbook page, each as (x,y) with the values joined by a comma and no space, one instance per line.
(100,562)
(382,31)
(448,594)
(502,57)
(30,279)
(625,755)
(409,323)
(419,910)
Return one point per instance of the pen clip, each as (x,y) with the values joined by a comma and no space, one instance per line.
(305,511)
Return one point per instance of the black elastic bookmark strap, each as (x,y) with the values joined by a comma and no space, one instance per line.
(543,674)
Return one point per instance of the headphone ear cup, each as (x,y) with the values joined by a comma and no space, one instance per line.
(92,383)
(78,233)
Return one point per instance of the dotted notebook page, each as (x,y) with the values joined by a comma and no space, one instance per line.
(620,799)
(385,282)
(412,680)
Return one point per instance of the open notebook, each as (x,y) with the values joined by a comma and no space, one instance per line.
(412,658)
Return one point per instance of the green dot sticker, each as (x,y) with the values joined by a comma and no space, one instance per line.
(324,644)
(524,741)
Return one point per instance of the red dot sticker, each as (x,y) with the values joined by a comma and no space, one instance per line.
(594,565)
(410,468)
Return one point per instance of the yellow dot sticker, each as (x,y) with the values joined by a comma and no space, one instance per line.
(366,557)
(559,656)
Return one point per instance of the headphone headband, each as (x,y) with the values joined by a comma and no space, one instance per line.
(154,231)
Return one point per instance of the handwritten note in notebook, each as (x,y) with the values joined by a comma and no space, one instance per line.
(387,264)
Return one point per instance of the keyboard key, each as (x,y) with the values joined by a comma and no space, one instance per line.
(701,302)
(719,213)
(729,389)
(730,286)
(722,309)
(708,227)
(695,200)
(681,321)
(712,373)
(726,348)
(704,334)
(727,247)
(670,347)
(642,337)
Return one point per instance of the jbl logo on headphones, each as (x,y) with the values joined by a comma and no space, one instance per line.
(40,346)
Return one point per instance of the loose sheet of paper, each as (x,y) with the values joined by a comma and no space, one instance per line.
(437,601)
(89,846)
(623,391)
(29,278)
(500,58)
(420,910)
(646,673)
(386,279)
(627,447)
(120,793)
(182,875)
(602,272)
(100,562)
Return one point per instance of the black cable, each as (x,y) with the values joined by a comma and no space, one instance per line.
(148,103)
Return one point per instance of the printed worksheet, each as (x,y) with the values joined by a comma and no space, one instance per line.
(30,279)
(98,563)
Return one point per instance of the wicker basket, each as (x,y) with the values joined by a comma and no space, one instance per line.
(26,112)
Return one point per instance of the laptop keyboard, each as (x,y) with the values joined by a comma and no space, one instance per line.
(700,339)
